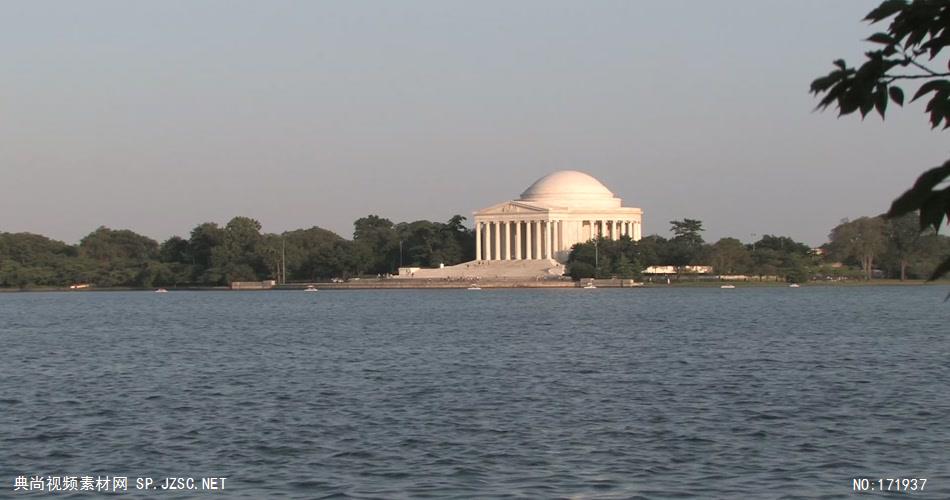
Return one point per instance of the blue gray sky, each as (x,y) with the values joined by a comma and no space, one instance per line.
(157,116)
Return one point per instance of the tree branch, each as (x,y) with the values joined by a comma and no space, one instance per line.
(925,68)
(891,78)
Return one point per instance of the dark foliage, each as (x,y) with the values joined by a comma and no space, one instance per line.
(915,39)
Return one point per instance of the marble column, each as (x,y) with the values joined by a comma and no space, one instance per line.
(539,239)
(547,240)
(490,236)
(527,240)
(478,241)
(518,240)
(507,239)
(496,241)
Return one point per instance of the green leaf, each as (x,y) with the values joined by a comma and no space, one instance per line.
(916,37)
(882,38)
(831,96)
(914,198)
(897,95)
(822,84)
(931,212)
(848,103)
(887,9)
(941,108)
(880,100)
(931,86)
(867,104)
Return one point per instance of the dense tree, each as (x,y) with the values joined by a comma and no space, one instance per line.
(106,244)
(687,230)
(313,254)
(862,239)
(28,259)
(784,257)
(121,255)
(175,249)
(903,241)
(916,37)
(930,251)
(239,256)
(653,250)
(605,258)
(782,244)
(686,246)
(214,255)
(430,244)
(578,270)
(729,256)
(464,240)
(419,241)
(202,241)
(378,240)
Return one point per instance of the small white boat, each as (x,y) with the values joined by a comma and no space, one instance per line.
(474,286)
(727,286)
(794,285)
(590,285)
(161,290)
(311,288)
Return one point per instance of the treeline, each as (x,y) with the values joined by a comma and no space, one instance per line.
(215,255)
(863,248)
(238,251)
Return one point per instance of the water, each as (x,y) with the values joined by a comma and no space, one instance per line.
(651,393)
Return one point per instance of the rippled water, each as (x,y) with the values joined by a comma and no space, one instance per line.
(654,393)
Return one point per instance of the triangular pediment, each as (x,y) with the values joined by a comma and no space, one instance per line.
(513,207)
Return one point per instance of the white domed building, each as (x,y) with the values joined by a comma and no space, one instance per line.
(557,211)
(531,237)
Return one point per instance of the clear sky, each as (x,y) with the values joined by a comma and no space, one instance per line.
(157,116)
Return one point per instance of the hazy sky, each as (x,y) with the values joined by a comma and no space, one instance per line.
(157,116)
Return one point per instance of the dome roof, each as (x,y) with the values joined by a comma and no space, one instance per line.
(570,188)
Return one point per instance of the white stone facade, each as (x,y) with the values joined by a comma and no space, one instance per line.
(556,212)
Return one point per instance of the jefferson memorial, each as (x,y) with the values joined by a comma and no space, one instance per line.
(557,211)
(532,236)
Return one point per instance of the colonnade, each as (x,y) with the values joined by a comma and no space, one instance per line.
(542,239)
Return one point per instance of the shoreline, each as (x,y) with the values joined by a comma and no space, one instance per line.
(420,284)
